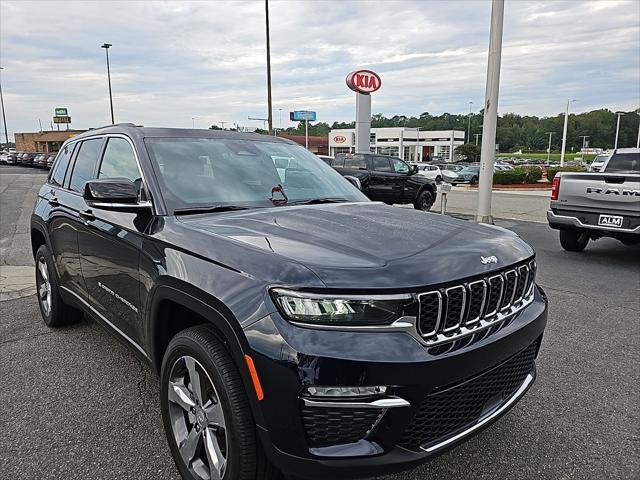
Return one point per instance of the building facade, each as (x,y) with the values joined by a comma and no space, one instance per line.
(410,144)
(46,142)
(318,144)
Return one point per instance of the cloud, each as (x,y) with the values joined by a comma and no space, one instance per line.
(177,61)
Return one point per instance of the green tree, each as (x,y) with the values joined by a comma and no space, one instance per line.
(469,151)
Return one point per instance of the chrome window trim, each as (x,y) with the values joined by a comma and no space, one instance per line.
(494,312)
(482,421)
(438,320)
(462,310)
(472,321)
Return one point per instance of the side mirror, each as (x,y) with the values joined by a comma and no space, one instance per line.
(413,169)
(355,181)
(118,194)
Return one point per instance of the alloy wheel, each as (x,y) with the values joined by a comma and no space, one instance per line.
(197,420)
(43,286)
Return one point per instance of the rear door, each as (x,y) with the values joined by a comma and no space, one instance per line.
(62,223)
(110,245)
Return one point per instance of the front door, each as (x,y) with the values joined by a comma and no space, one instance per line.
(381,180)
(110,247)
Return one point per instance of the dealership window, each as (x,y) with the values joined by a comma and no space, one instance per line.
(337,150)
(389,151)
(372,137)
(406,153)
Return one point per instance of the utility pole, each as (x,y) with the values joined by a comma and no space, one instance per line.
(306,134)
(469,125)
(549,149)
(619,114)
(4,119)
(263,120)
(222,124)
(477,135)
(490,113)
(585,144)
(106,47)
(193,122)
(269,107)
(564,132)
(637,141)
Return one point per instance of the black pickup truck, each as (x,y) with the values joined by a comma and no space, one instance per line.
(297,326)
(388,179)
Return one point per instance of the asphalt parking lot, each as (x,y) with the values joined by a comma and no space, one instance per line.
(76,404)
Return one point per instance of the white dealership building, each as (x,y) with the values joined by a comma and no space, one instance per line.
(410,144)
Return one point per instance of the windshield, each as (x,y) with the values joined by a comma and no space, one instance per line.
(199,172)
(624,162)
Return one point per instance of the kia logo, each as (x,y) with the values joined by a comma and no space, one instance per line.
(364,81)
(339,139)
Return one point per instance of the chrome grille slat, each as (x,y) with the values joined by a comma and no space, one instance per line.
(456,302)
(469,312)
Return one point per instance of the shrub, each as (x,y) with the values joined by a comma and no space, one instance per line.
(551,172)
(517,175)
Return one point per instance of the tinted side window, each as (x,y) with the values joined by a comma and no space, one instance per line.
(119,161)
(338,161)
(381,164)
(356,162)
(60,166)
(85,166)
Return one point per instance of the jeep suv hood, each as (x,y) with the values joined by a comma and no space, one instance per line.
(370,244)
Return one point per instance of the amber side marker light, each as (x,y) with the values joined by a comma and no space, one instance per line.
(254,377)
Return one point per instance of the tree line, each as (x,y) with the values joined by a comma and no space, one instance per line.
(514,132)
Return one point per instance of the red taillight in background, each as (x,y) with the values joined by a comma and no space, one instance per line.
(556,188)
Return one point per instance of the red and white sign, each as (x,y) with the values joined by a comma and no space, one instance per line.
(364,81)
(339,139)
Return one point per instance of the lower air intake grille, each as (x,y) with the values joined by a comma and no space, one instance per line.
(332,426)
(447,412)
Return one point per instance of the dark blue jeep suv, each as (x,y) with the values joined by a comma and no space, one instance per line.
(298,328)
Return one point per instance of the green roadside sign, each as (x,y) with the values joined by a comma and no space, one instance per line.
(61,112)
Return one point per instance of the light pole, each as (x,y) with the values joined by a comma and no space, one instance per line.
(4,119)
(619,114)
(106,47)
(564,132)
(549,149)
(193,122)
(477,135)
(488,150)
(269,107)
(637,141)
(469,125)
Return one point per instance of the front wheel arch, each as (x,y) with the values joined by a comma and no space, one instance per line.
(163,326)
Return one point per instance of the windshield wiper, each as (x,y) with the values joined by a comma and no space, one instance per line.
(318,201)
(208,209)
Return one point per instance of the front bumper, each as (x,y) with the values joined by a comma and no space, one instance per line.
(288,358)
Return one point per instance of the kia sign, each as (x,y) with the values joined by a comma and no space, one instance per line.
(339,139)
(364,81)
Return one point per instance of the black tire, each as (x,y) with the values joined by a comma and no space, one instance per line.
(630,240)
(474,181)
(245,459)
(58,313)
(574,240)
(424,201)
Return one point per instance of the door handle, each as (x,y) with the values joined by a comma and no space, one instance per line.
(53,201)
(87,215)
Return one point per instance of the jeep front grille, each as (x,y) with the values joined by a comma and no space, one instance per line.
(453,312)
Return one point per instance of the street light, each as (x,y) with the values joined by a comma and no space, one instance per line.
(549,149)
(269,105)
(106,47)
(564,132)
(619,114)
(469,125)
(4,119)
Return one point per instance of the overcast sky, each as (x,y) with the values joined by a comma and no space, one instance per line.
(172,61)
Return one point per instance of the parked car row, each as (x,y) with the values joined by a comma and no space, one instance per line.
(28,159)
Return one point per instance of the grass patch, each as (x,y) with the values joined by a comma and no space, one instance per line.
(554,156)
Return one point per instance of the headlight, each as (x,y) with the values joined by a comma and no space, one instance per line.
(340,310)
